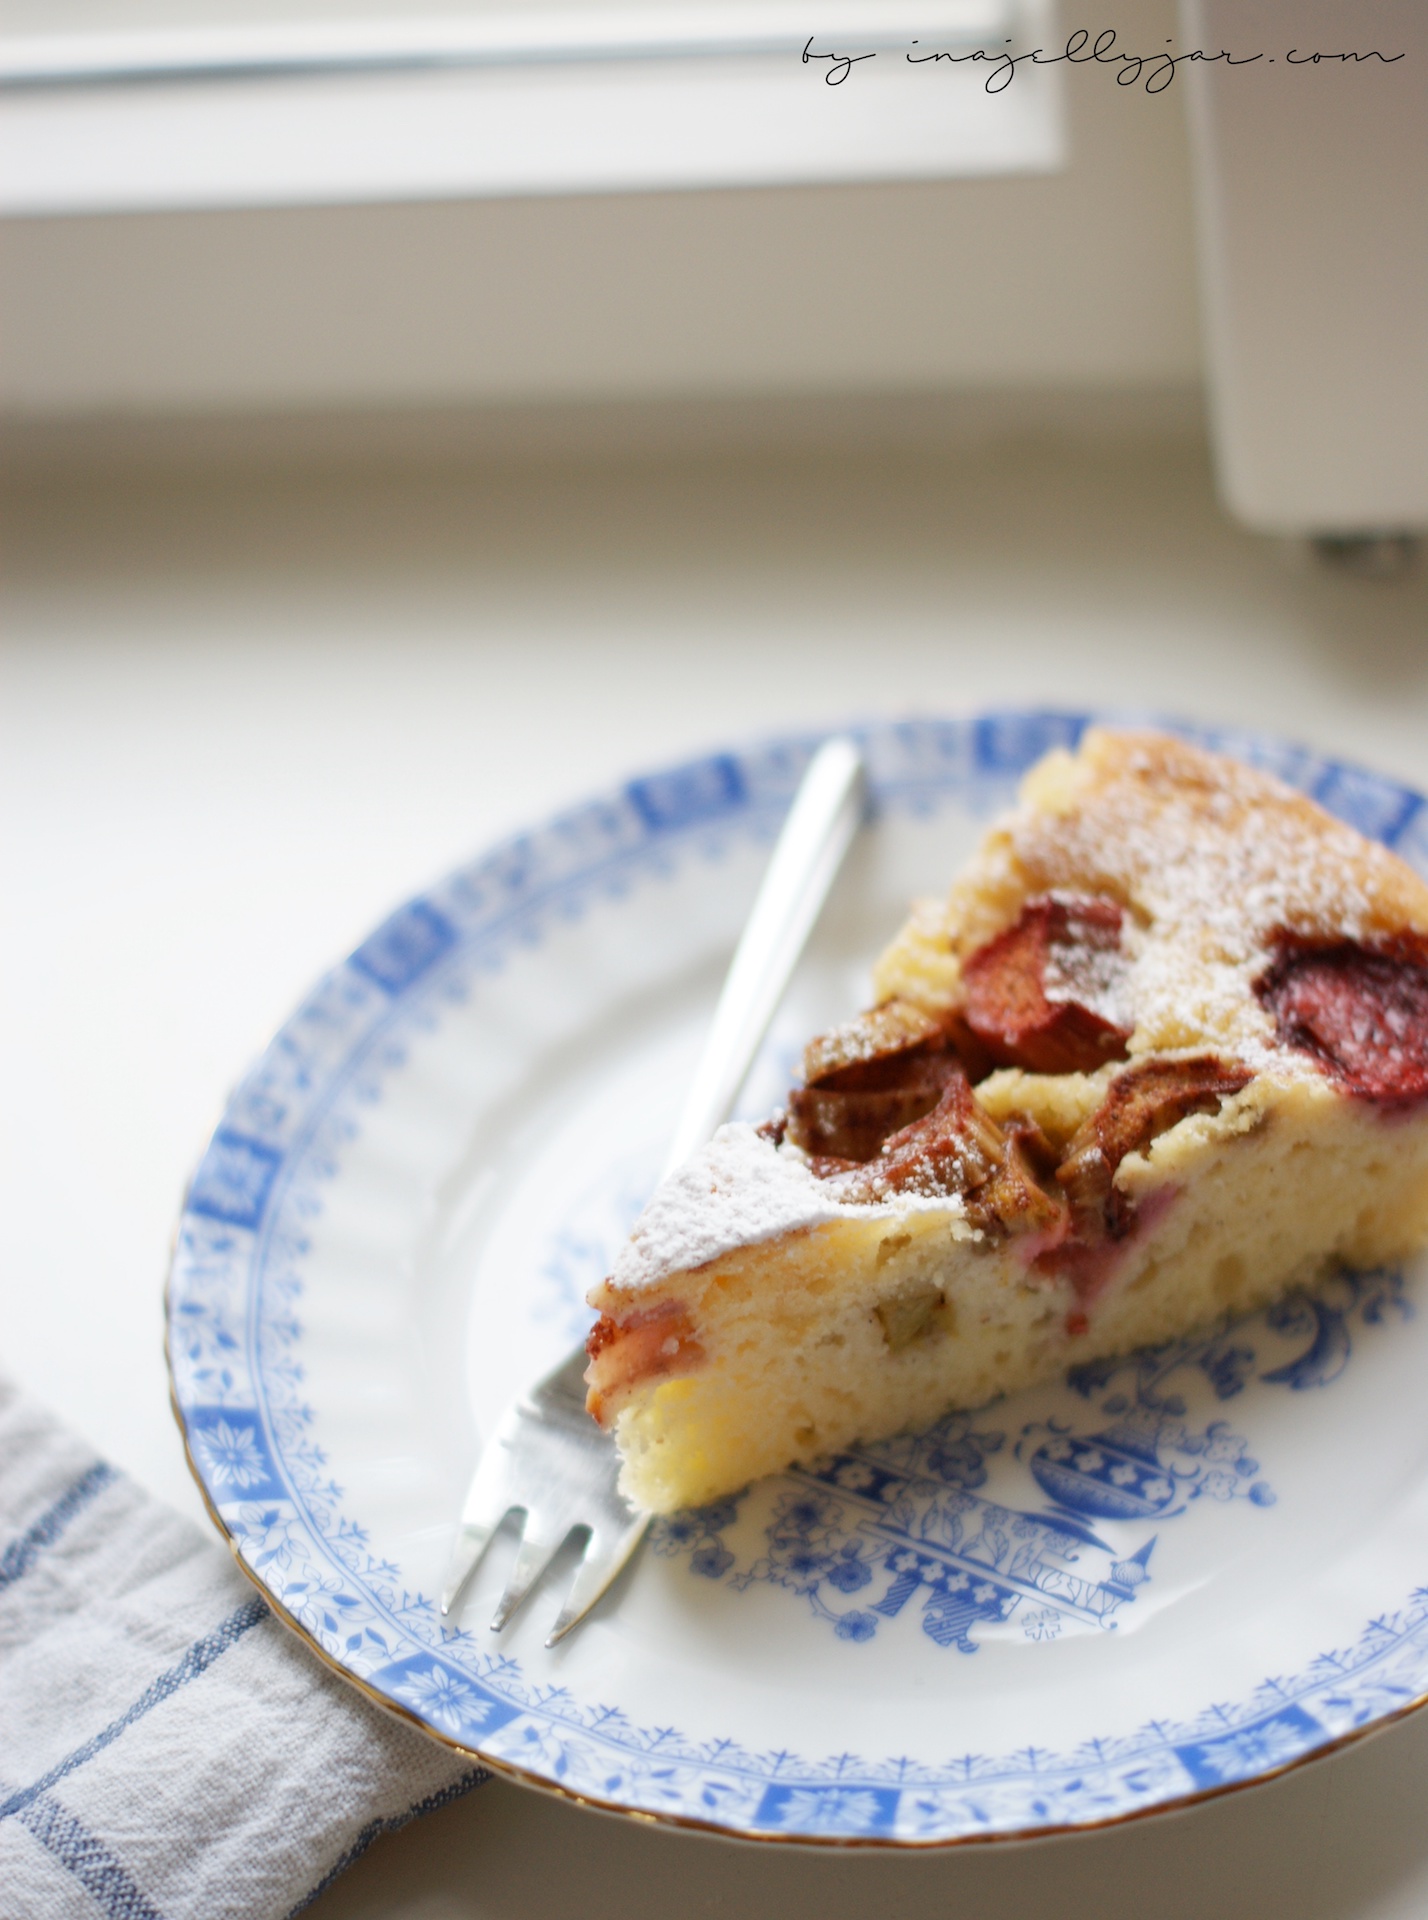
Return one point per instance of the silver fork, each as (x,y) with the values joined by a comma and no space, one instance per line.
(547,1461)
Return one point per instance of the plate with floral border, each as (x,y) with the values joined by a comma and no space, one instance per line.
(1152,1581)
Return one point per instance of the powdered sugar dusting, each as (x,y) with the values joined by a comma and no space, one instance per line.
(1212,859)
(1090,975)
(738,1189)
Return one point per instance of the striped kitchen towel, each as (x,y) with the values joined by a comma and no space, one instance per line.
(168,1750)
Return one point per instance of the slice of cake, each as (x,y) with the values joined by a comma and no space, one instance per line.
(1162,1055)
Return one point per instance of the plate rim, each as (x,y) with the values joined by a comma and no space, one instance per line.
(1066,725)
(763,1836)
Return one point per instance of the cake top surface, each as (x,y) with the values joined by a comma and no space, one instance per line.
(1211,861)
(1137,902)
(737,1190)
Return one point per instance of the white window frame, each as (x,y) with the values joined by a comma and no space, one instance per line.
(544,100)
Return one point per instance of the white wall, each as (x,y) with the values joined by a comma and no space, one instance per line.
(1081,280)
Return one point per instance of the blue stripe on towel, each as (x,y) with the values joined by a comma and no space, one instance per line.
(200,1656)
(97,1870)
(21,1553)
(374,1830)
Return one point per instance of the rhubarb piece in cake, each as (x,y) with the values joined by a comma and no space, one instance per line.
(1161,1056)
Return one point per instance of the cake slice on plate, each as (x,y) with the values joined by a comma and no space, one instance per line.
(1161,1056)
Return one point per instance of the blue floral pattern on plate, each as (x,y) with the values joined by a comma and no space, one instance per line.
(913,1519)
(986,1529)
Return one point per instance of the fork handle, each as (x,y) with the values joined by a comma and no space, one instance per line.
(826,813)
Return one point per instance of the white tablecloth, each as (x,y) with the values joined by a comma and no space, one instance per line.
(240,721)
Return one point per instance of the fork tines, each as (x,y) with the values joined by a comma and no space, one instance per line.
(550,1464)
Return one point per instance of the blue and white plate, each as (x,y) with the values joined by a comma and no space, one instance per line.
(1153,1581)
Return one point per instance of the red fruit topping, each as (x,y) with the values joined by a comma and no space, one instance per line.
(1140,1104)
(871,1078)
(861,1052)
(958,1149)
(954,1149)
(645,1346)
(851,1125)
(1360,1012)
(1040,995)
